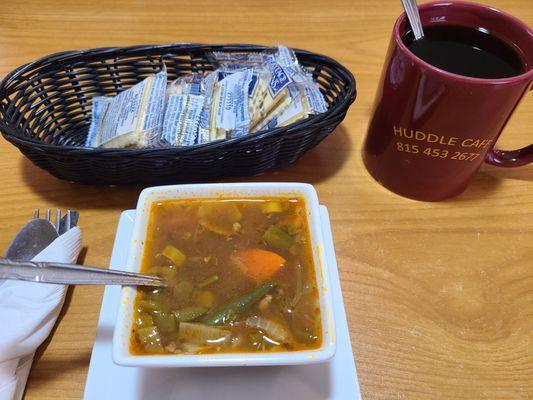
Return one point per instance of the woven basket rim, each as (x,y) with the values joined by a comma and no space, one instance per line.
(12,134)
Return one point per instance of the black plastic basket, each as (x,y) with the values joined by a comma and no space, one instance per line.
(45,110)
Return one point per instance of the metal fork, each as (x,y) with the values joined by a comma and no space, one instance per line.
(61,224)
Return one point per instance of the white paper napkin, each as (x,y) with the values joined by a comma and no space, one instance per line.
(28,311)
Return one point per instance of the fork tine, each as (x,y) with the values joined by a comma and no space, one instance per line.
(48,212)
(68,220)
(36,213)
(58,219)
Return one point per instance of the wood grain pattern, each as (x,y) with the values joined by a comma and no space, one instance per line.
(439,296)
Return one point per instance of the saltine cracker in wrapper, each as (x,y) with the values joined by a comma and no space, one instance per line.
(248,92)
(185,101)
(133,118)
(305,96)
(267,90)
(229,111)
(100,104)
(284,91)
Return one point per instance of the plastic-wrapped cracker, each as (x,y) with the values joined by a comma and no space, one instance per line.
(235,61)
(229,110)
(204,124)
(268,87)
(100,104)
(185,101)
(133,118)
(305,96)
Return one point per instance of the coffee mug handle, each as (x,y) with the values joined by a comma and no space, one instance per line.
(512,158)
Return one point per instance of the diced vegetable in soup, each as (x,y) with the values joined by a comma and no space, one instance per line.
(240,274)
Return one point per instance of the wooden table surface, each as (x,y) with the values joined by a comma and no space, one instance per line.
(439,296)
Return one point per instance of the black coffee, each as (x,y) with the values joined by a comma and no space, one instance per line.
(466,51)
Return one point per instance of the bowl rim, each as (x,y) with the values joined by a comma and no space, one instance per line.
(326,351)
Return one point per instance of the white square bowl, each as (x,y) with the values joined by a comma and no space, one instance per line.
(122,334)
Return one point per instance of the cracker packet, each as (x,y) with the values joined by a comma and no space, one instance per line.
(302,78)
(204,124)
(286,114)
(235,61)
(185,101)
(230,116)
(268,87)
(305,96)
(133,118)
(100,104)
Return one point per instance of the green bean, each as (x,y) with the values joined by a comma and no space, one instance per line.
(233,310)
(187,314)
(277,238)
(208,281)
(149,338)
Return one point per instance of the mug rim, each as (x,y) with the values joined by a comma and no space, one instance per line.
(450,75)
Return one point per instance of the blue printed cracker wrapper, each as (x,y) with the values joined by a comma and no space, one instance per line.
(204,123)
(134,117)
(173,119)
(100,105)
(230,105)
(279,78)
(186,97)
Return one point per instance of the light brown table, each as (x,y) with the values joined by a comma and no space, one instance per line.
(439,296)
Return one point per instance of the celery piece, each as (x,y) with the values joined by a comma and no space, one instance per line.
(182,291)
(168,272)
(144,320)
(146,305)
(174,255)
(187,314)
(271,207)
(165,322)
(277,238)
(149,338)
(153,294)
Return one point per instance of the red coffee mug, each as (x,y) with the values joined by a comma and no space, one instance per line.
(431,130)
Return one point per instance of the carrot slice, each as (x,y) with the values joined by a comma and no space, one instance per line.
(258,264)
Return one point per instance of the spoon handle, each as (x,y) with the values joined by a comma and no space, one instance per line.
(411,9)
(72,274)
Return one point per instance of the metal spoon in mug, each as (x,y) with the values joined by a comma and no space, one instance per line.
(411,9)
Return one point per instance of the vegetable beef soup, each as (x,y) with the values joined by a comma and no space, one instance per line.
(240,278)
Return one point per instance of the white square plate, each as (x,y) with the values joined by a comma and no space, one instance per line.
(333,380)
